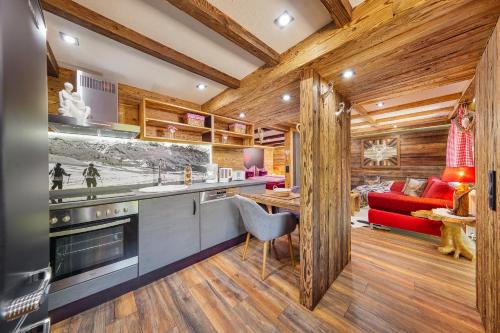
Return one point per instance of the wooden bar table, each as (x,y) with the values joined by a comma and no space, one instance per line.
(270,201)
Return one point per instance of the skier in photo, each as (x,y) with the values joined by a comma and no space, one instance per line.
(90,175)
(58,174)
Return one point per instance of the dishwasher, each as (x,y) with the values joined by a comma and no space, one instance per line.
(220,219)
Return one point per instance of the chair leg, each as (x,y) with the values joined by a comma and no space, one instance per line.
(264,257)
(247,241)
(273,246)
(290,248)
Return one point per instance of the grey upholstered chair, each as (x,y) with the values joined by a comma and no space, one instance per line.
(265,227)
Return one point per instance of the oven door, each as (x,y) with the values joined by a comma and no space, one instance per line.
(83,253)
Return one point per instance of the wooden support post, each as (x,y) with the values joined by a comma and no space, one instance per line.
(325,188)
(487,154)
(289,171)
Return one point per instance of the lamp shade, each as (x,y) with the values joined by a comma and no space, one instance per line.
(459,174)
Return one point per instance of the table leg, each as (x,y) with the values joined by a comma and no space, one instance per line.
(455,240)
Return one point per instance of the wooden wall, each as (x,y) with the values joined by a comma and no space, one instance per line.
(488,158)
(279,161)
(325,228)
(129,99)
(55,84)
(269,159)
(422,155)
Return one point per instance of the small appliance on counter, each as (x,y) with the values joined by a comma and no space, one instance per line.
(225,175)
(239,175)
(212,173)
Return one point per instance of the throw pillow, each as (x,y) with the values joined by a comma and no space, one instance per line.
(431,181)
(414,187)
(440,190)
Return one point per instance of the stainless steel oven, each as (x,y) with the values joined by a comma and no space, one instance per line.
(88,242)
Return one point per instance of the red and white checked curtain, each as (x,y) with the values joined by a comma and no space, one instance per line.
(460,148)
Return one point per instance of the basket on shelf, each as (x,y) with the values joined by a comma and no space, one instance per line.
(194,119)
(238,128)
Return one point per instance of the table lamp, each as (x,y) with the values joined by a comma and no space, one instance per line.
(464,176)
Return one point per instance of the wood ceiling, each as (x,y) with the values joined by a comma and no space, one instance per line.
(395,48)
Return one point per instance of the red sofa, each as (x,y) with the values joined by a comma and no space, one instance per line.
(393,209)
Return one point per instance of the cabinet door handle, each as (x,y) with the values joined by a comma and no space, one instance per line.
(194,206)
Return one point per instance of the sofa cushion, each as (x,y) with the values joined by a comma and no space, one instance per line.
(414,187)
(403,204)
(440,190)
(397,187)
(431,181)
(405,222)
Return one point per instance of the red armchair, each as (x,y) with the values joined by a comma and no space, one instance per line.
(393,209)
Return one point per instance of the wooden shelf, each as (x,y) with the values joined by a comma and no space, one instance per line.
(231,120)
(181,126)
(162,139)
(233,134)
(228,145)
(172,107)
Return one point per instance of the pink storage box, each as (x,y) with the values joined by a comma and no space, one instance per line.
(194,119)
(238,128)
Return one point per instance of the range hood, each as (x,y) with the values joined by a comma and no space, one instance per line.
(64,124)
(101,96)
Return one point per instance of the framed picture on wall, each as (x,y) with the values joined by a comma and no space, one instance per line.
(380,153)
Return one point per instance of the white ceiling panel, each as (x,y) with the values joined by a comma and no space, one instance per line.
(124,64)
(257,16)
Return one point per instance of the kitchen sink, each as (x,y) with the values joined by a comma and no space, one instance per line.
(163,188)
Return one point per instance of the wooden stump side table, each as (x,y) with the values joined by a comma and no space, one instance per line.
(453,237)
(355,203)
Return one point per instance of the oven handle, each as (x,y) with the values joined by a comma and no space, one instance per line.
(92,228)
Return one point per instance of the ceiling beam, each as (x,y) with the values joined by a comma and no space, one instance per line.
(91,20)
(409,129)
(404,116)
(340,11)
(213,18)
(412,105)
(364,113)
(417,33)
(52,66)
(405,125)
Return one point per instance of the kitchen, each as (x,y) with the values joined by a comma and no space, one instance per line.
(186,165)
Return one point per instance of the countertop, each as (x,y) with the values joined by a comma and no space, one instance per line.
(136,195)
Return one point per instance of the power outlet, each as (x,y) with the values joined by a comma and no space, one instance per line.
(492,190)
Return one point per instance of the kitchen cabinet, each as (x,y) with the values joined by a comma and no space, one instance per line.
(169,230)
(220,221)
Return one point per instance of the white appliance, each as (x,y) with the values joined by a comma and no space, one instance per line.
(239,175)
(212,173)
(225,175)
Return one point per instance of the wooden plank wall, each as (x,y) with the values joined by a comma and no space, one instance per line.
(487,152)
(325,183)
(269,159)
(129,99)
(423,155)
(55,84)
(279,161)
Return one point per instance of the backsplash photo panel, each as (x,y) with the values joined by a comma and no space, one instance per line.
(122,161)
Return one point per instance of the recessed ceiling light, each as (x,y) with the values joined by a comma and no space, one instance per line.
(347,74)
(395,126)
(201,86)
(380,104)
(69,39)
(286,97)
(284,19)
(242,115)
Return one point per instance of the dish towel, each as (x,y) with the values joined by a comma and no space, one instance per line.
(460,148)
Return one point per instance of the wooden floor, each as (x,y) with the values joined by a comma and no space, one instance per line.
(394,283)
